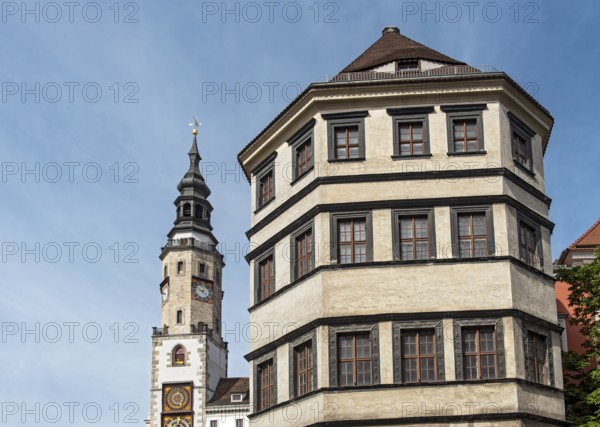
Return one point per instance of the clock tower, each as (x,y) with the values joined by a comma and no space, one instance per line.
(189,356)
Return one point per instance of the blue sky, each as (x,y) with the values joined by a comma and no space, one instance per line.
(171,61)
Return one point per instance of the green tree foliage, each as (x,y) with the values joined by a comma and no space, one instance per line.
(581,372)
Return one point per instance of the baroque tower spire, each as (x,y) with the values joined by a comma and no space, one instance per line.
(185,374)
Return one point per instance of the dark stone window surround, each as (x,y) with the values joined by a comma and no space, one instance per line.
(489,223)
(517,126)
(411,115)
(267,166)
(259,361)
(353,118)
(521,217)
(397,214)
(293,255)
(257,261)
(437,326)
(373,329)
(540,330)
(458,351)
(461,112)
(333,228)
(303,135)
(304,339)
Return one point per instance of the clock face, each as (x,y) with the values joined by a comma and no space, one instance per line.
(165,292)
(178,398)
(182,421)
(201,291)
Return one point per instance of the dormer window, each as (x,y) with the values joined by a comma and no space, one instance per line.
(237,397)
(407,65)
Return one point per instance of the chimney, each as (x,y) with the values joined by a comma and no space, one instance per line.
(390,30)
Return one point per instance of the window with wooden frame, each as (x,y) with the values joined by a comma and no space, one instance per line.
(465,128)
(346,135)
(472,232)
(418,351)
(264,180)
(266,190)
(419,356)
(351,237)
(521,140)
(346,142)
(411,131)
(354,355)
(479,353)
(472,235)
(303,369)
(355,365)
(303,365)
(214,423)
(239,422)
(304,158)
(537,350)
(302,150)
(414,235)
(178,356)
(265,385)
(266,276)
(529,243)
(302,248)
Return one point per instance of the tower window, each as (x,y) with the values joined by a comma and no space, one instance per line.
(465,128)
(266,395)
(187,209)
(407,65)
(198,211)
(179,356)
(165,272)
(202,268)
(179,318)
(180,268)
(346,135)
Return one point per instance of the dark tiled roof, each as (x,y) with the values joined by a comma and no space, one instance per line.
(393,46)
(229,386)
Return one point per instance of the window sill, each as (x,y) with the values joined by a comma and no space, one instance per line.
(264,206)
(359,159)
(412,156)
(299,177)
(467,153)
(523,168)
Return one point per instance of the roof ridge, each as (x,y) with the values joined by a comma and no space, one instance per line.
(588,231)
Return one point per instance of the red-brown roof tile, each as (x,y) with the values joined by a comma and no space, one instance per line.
(590,238)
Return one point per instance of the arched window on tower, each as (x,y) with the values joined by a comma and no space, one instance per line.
(179,356)
(198,211)
(187,209)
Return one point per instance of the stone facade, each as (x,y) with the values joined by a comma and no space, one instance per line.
(507,291)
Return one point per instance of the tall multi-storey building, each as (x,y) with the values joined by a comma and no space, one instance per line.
(401,268)
(580,252)
(189,356)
